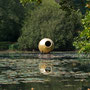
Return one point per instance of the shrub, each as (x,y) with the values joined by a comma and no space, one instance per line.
(82,42)
(14,46)
(5,45)
(49,22)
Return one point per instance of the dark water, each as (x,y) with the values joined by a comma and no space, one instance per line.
(35,71)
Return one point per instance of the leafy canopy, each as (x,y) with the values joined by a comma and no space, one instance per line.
(51,22)
(83,40)
(11,15)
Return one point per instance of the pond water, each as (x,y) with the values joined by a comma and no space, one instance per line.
(35,71)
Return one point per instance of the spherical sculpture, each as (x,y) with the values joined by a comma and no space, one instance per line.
(46,45)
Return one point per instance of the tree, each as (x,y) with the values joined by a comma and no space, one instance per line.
(11,16)
(49,21)
(68,5)
(80,5)
(29,1)
(82,42)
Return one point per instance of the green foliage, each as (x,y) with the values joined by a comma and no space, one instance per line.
(5,45)
(14,46)
(80,5)
(83,41)
(30,1)
(51,22)
(66,4)
(11,16)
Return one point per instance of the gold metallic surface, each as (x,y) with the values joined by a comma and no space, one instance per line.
(46,45)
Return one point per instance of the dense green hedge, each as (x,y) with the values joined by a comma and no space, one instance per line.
(49,22)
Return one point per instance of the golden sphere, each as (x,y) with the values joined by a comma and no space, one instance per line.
(46,45)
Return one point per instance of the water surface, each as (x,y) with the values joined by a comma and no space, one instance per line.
(35,71)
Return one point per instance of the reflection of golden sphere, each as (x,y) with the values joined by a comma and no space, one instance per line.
(45,68)
(46,45)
